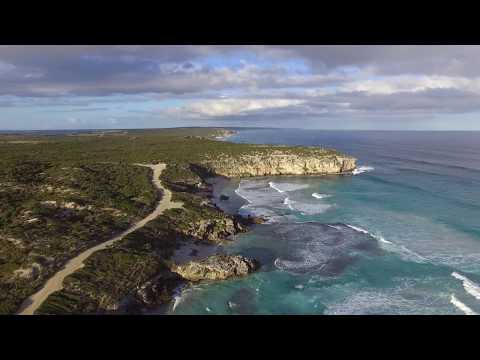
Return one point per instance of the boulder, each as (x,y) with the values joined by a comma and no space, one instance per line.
(217,267)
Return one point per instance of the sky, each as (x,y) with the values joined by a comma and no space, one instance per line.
(381,87)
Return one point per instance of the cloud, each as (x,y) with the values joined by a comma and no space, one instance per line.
(103,85)
(229,107)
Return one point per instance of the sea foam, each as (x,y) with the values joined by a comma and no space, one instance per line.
(362,169)
(363,231)
(288,203)
(469,286)
(306,208)
(391,246)
(285,187)
(320,196)
(461,306)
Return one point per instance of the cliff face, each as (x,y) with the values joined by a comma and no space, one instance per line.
(280,164)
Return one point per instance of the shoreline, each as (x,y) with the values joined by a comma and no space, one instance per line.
(227,134)
(187,251)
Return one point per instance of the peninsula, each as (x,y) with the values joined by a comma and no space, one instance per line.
(86,229)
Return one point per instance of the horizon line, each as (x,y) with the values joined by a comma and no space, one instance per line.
(238,127)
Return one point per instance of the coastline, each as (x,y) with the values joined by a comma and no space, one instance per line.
(192,234)
(225,135)
(198,251)
(218,186)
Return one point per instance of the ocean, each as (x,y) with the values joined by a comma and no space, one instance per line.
(401,236)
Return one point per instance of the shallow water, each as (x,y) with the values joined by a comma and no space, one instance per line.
(400,237)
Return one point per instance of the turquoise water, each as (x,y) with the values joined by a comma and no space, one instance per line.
(400,237)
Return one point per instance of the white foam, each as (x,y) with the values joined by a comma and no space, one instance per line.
(288,203)
(269,200)
(307,209)
(307,258)
(382,239)
(178,300)
(273,186)
(461,306)
(208,309)
(237,191)
(179,295)
(285,187)
(362,169)
(320,196)
(358,229)
(231,305)
(400,248)
(469,286)
(378,237)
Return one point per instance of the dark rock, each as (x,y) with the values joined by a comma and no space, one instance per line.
(158,291)
(224,197)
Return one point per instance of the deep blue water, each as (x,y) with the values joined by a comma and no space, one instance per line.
(400,237)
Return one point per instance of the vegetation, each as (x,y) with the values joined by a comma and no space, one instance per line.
(49,213)
(62,193)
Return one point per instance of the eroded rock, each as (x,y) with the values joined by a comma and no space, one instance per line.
(217,267)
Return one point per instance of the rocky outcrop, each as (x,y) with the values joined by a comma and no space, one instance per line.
(280,163)
(216,267)
(213,230)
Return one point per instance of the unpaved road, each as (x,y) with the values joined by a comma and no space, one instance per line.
(55,283)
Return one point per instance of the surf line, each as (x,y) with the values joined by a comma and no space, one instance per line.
(461,306)
(272,185)
(469,286)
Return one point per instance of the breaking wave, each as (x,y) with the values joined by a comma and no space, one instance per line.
(469,286)
(237,191)
(288,203)
(320,196)
(305,208)
(285,187)
(461,306)
(362,169)
(379,238)
(390,245)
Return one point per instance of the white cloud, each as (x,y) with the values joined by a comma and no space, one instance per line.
(228,107)
(408,83)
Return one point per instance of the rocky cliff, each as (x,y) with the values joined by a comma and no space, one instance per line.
(281,163)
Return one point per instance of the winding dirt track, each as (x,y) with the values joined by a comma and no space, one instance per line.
(55,283)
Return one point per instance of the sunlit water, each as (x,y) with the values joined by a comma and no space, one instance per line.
(402,236)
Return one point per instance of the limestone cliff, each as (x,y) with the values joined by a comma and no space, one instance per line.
(280,162)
